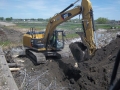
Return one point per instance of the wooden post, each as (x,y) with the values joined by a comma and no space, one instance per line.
(14,69)
(13,65)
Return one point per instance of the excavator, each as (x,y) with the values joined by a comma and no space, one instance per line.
(38,45)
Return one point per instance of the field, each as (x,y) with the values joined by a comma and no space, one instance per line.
(70,27)
(60,73)
(65,25)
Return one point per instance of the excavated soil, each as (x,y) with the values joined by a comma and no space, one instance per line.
(10,35)
(60,73)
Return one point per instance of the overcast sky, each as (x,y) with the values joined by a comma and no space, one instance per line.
(48,8)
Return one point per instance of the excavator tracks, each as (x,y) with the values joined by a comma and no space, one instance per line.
(36,57)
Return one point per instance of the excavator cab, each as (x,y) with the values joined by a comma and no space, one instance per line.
(33,39)
(57,40)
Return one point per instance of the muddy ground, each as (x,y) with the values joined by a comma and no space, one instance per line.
(60,73)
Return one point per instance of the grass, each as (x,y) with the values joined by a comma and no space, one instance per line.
(102,26)
(64,26)
(7,44)
(4,43)
(71,26)
(72,35)
(37,26)
(106,26)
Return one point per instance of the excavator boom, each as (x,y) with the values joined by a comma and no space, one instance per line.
(58,19)
(87,21)
(87,36)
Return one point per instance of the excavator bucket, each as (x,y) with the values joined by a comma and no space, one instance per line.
(76,52)
(79,51)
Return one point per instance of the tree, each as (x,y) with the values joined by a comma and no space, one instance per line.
(32,19)
(9,19)
(102,20)
(1,18)
(47,19)
(40,19)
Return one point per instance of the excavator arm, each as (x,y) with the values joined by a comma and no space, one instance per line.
(87,36)
(88,26)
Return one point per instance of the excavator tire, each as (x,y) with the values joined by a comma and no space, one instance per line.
(77,51)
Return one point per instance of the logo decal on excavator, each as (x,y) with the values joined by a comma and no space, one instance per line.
(66,15)
(58,18)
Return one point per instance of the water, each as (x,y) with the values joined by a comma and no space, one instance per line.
(102,37)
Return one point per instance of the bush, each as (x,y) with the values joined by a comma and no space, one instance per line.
(102,20)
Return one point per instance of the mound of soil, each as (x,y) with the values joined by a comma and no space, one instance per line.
(10,35)
(3,36)
(95,73)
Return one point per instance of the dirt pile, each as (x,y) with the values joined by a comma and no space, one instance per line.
(95,73)
(3,36)
(13,36)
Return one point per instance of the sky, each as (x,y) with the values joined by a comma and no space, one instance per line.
(48,8)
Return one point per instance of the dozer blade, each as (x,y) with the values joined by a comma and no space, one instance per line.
(36,57)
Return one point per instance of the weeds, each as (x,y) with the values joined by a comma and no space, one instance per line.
(4,43)
(8,44)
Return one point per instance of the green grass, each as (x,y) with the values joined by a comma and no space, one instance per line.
(67,26)
(4,43)
(73,35)
(64,26)
(102,26)
(70,26)
(106,26)
(37,26)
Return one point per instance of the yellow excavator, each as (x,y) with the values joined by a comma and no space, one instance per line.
(38,45)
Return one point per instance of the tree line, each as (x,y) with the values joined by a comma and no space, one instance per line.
(100,20)
(11,19)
